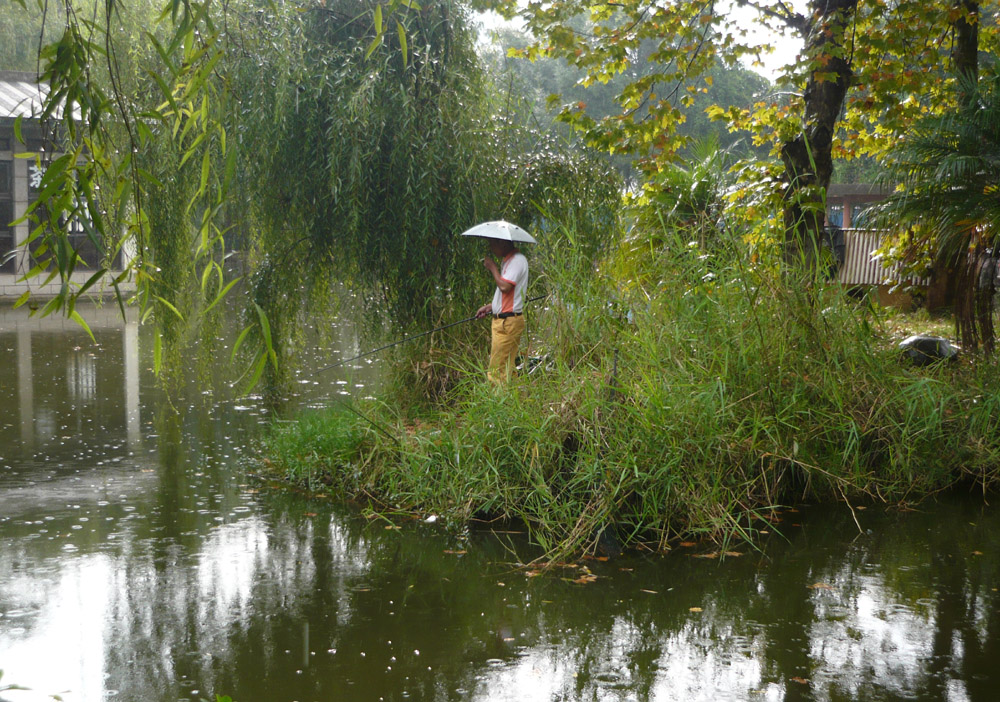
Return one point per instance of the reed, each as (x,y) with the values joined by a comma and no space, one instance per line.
(690,393)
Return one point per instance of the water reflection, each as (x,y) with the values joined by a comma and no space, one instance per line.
(137,562)
(58,351)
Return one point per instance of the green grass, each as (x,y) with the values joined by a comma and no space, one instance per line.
(318,448)
(691,400)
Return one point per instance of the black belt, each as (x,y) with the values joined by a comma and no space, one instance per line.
(505,315)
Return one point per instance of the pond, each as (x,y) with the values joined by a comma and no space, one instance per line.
(138,561)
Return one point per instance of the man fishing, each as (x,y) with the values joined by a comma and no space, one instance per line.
(507,307)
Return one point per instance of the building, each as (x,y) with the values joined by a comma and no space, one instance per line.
(859,268)
(846,203)
(21,97)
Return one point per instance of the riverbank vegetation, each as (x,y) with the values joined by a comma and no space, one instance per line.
(692,400)
(695,368)
(321,149)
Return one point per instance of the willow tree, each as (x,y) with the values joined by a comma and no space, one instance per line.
(365,161)
(348,141)
(867,68)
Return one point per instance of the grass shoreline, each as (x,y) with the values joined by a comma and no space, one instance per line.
(664,432)
(689,390)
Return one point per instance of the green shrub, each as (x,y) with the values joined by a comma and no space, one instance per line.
(694,399)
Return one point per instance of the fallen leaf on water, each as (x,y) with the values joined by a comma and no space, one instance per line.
(801,681)
(626,570)
(705,555)
(557,564)
(310,514)
(732,554)
(532,573)
(649,592)
(393,526)
(861,507)
(595,558)
(585,579)
(820,586)
(977,553)
(454,553)
(688,543)
(695,609)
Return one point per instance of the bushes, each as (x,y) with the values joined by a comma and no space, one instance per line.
(726,394)
(319,448)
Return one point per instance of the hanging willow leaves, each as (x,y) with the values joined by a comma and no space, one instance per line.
(332,153)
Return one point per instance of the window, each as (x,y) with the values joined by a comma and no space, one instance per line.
(835,216)
(6,215)
(35,145)
(860,215)
(6,236)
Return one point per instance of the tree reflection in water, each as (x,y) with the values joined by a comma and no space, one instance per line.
(282,603)
(148,567)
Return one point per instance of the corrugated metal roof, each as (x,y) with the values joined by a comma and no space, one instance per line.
(21,95)
(860,267)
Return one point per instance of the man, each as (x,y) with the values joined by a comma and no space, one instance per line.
(507,307)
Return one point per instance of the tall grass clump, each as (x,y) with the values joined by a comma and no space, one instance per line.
(318,449)
(689,392)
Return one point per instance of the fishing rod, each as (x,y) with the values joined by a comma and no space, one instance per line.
(403,340)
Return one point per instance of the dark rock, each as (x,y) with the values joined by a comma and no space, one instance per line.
(925,350)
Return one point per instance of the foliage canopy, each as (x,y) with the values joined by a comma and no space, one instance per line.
(867,69)
(347,142)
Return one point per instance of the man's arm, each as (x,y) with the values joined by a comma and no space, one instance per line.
(505,285)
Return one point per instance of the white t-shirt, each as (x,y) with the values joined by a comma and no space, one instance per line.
(514,270)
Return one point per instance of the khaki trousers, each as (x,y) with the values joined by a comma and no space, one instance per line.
(506,335)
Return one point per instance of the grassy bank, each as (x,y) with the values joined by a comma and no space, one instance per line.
(689,400)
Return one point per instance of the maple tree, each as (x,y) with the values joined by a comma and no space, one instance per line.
(866,70)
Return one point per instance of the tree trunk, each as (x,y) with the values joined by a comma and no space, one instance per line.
(808,158)
(975,269)
(965,50)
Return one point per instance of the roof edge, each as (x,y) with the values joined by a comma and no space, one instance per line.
(23,76)
(847,189)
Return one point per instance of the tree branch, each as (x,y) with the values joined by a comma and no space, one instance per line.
(787,15)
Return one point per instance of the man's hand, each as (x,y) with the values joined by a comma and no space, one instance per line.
(491,265)
(484,311)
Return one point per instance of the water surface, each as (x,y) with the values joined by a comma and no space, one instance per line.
(138,562)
